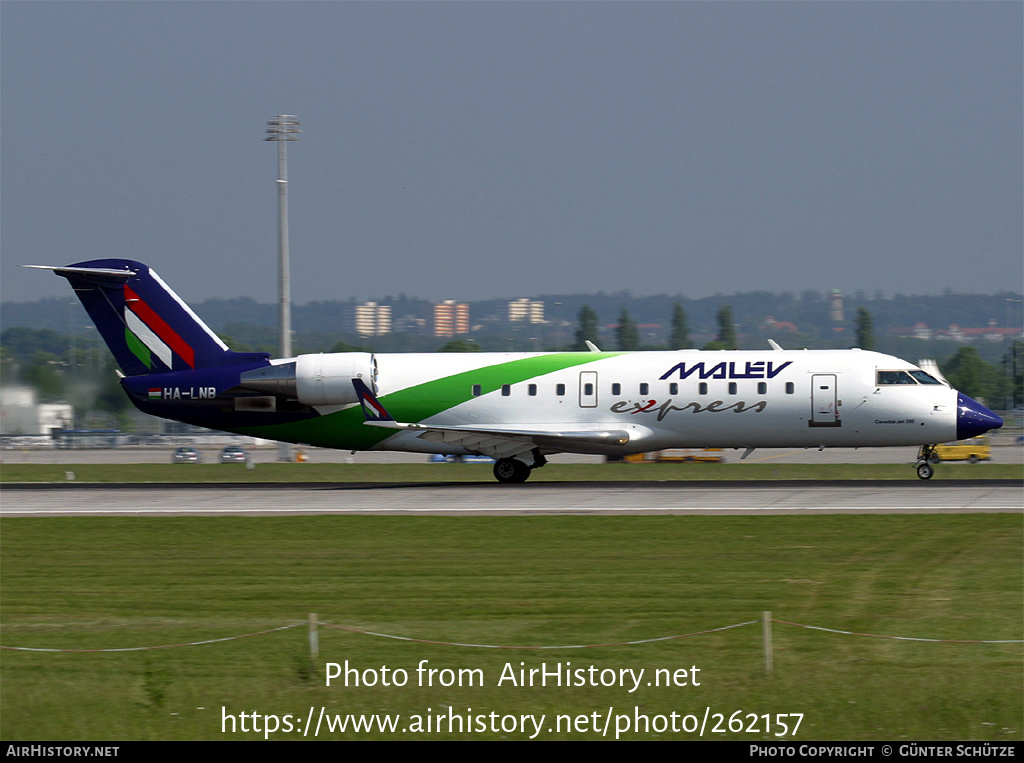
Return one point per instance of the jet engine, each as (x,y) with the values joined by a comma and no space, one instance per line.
(321,379)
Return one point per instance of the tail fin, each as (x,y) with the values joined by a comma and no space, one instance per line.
(144,323)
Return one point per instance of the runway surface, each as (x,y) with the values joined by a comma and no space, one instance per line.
(725,498)
(1005,450)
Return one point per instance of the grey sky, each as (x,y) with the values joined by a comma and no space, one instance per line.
(472,150)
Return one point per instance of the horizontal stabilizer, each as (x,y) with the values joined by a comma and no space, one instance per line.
(105,273)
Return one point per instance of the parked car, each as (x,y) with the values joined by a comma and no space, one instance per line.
(437,458)
(186,454)
(233,454)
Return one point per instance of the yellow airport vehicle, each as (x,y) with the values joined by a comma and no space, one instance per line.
(676,456)
(974,450)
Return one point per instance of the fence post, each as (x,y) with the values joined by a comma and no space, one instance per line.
(314,637)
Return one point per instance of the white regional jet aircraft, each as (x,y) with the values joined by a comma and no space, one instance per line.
(515,407)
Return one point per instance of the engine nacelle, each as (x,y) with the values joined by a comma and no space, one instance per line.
(321,379)
(326,379)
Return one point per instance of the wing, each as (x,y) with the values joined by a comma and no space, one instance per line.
(496,442)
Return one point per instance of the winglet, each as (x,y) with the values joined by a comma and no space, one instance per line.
(374,412)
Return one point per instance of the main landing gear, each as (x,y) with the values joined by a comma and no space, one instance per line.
(925,459)
(511,470)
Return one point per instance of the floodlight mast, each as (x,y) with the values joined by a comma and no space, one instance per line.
(282,129)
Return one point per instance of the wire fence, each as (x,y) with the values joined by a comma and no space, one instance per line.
(314,624)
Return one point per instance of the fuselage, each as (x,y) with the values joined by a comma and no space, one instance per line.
(688,398)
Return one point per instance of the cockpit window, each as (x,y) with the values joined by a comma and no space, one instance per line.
(924,377)
(915,376)
(894,377)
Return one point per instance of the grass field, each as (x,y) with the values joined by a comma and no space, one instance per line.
(102,583)
(482,472)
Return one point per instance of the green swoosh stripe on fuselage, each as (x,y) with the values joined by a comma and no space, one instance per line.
(344,429)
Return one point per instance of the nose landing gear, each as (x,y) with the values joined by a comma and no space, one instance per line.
(925,459)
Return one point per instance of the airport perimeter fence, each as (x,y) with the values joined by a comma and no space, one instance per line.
(314,624)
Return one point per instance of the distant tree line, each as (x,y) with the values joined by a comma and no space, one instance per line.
(67,368)
(245,318)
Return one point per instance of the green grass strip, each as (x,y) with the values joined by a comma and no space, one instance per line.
(122,582)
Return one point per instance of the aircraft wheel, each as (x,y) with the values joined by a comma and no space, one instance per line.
(509,470)
(925,471)
(973,459)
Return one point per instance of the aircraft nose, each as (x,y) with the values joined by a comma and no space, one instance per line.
(973,419)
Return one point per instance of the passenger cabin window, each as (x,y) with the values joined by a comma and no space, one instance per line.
(532,390)
(506,390)
(616,389)
(559,389)
(673,388)
(732,388)
(702,388)
(790,388)
(644,387)
(762,388)
(588,389)
(476,390)
(894,377)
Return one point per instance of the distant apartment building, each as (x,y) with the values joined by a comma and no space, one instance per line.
(450,318)
(372,319)
(525,311)
(835,306)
